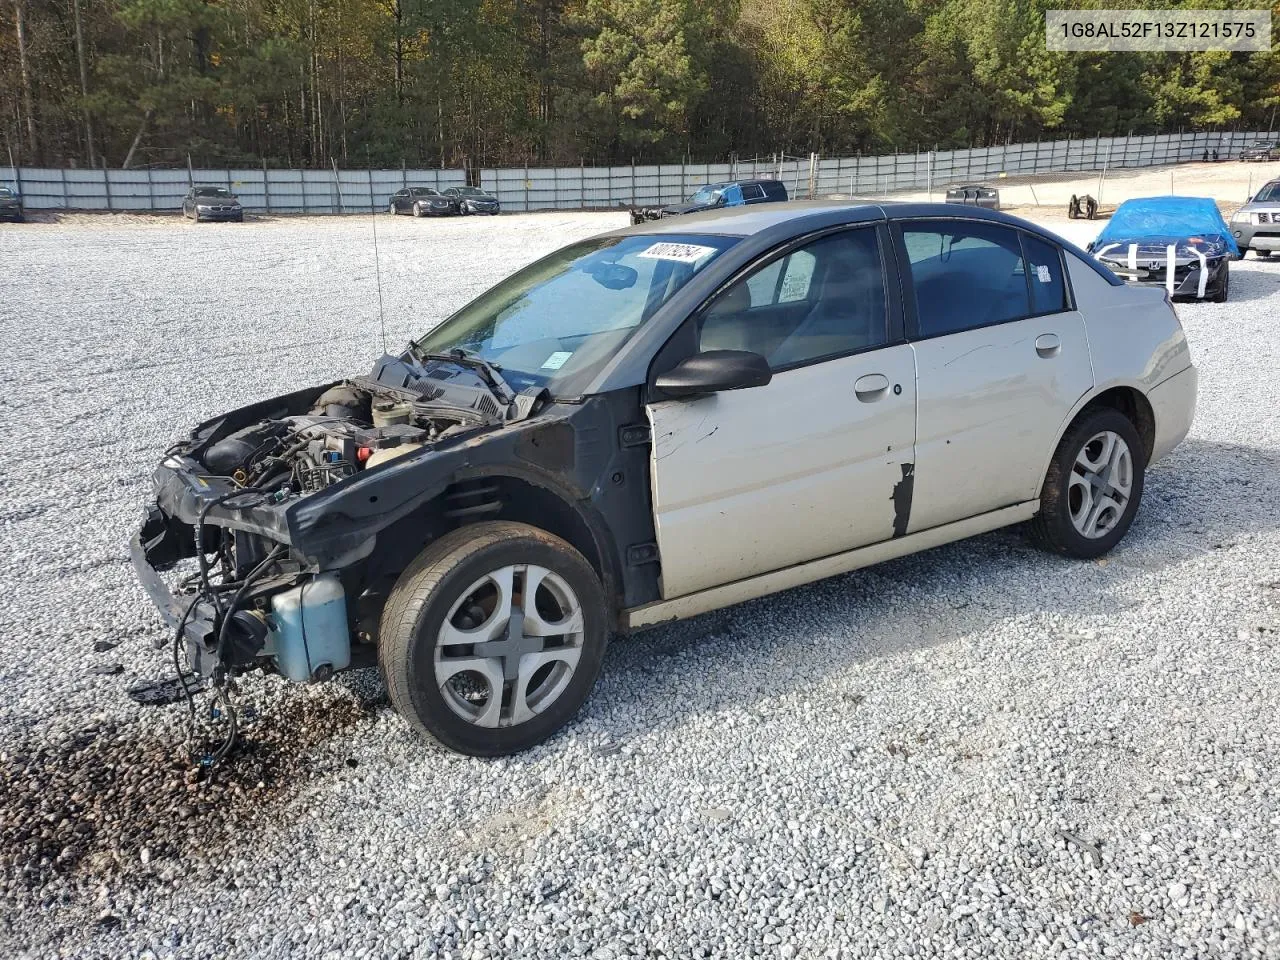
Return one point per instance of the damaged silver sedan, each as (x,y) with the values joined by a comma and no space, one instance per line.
(656,423)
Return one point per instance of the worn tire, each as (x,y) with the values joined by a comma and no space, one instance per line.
(1052,528)
(425,593)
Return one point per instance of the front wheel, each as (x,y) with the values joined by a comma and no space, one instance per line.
(417,209)
(1223,289)
(1093,488)
(493,638)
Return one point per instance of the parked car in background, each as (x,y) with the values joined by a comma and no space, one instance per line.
(422,202)
(211,203)
(974,195)
(1256,225)
(713,195)
(1262,150)
(1180,243)
(654,423)
(10,205)
(473,200)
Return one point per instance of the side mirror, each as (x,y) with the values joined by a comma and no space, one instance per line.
(713,371)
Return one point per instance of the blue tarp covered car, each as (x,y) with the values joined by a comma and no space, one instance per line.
(1181,243)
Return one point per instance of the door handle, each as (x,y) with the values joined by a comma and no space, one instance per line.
(1048,345)
(871,387)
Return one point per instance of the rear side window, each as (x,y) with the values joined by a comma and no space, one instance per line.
(966,274)
(752,191)
(1044,264)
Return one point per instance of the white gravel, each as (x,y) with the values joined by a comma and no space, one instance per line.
(981,751)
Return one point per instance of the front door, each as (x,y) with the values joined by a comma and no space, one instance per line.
(813,463)
(1002,360)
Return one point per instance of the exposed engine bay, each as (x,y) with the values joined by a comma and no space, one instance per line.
(232,501)
(352,427)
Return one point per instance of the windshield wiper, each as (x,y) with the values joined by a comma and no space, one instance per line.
(489,373)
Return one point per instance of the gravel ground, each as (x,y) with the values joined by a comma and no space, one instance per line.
(977,751)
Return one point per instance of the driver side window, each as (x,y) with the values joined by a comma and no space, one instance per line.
(820,300)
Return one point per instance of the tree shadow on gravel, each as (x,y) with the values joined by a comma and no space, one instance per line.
(1202,499)
(85,806)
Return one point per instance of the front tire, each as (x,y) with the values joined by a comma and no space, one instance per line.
(417,209)
(1223,289)
(493,638)
(1093,488)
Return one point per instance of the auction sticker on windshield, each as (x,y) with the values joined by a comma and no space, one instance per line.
(680,252)
(557,360)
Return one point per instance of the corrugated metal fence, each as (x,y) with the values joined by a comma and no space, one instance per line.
(581,187)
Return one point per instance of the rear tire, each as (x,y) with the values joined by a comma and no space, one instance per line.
(1093,488)
(521,680)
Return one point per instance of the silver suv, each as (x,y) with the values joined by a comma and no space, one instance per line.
(1256,225)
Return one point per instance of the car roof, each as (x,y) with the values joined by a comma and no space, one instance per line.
(805,215)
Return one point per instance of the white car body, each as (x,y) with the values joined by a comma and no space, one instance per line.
(760,490)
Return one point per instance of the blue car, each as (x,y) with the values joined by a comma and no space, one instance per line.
(712,196)
(1181,243)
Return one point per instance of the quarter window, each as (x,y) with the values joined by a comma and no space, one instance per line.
(823,299)
(966,274)
(1044,264)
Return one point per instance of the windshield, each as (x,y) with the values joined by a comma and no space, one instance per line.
(708,194)
(6,193)
(468,192)
(423,192)
(559,320)
(212,192)
(1269,193)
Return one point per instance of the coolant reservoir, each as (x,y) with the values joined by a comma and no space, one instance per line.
(389,453)
(310,629)
(389,412)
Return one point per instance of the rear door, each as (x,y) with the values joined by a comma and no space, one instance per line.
(812,463)
(1001,355)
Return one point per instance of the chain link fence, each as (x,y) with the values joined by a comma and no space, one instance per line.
(582,187)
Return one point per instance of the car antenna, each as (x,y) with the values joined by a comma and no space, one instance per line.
(377,267)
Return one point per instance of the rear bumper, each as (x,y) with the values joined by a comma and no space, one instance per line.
(1174,404)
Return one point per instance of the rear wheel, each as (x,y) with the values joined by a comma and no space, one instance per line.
(391,209)
(1093,488)
(493,638)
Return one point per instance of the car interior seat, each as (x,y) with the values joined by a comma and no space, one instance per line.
(848,311)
